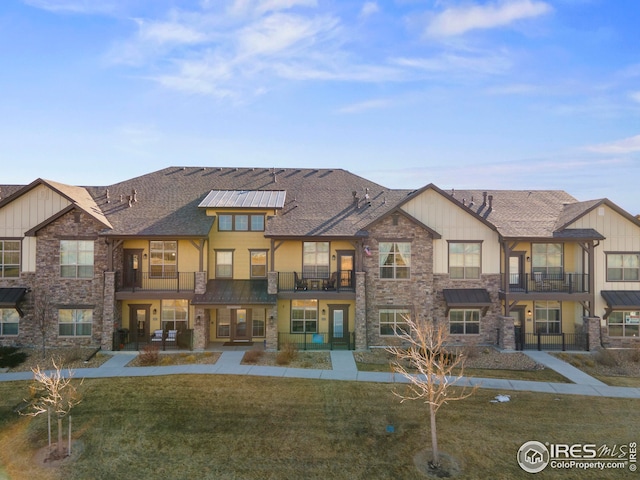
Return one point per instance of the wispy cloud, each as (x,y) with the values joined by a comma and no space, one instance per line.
(368,9)
(635,96)
(459,20)
(623,146)
(73,6)
(367,105)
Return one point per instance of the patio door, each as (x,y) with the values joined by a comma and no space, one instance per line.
(516,271)
(240,330)
(139,322)
(132,268)
(518,325)
(339,326)
(346,267)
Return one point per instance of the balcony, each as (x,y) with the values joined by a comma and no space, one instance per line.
(144,281)
(543,283)
(335,282)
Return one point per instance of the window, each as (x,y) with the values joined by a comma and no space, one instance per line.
(464,260)
(164,259)
(547,259)
(75,322)
(9,320)
(258,321)
(623,267)
(304,316)
(624,324)
(224,322)
(315,260)
(174,314)
(395,260)
(394,322)
(258,263)
(465,322)
(76,258)
(9,258)
(547,317)
(224,263)
(240,222)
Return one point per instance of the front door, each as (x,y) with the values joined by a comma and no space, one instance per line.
(339,326)
(139,323)
(516,271)
(132,268)
(346,264)
(240,325)
(518,326)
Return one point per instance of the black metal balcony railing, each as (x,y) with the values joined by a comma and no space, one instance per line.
(540,282)
(335,282)
(177,282)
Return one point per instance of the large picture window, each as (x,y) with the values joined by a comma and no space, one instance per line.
(547,317)
(393,322)
(76,258)
(395,260)
(75,322)
(315,260)
(624,324)
(464,322)
(9,258)
(164,259)
(547,259)
(623,267)
(464,260)
(304,316)
(175,314)
(9,320)
(224,264)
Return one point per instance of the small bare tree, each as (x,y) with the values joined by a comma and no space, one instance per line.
(42,315)
(54,393)
(429,368)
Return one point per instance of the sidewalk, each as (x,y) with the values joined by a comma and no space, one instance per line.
(344,368)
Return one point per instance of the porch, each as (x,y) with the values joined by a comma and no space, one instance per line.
(338,281)
(553,341)
(541,283)
(125,340)
(146,281)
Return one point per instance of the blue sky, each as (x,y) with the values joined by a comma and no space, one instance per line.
(500,94)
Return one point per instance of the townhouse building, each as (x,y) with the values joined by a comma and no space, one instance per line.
(323,258)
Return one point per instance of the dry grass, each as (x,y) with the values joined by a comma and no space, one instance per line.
(67,357)
(615,367)
(168,359)
(228,427)
(304,359)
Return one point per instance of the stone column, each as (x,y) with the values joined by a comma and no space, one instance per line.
(592,328)
(507,339)
(271,339)
(200,329)
(109,324)
(361,312)
(200,283)
(272,283)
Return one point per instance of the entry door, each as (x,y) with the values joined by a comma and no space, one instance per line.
(518,325)
(240,324)
(339,325)
(516,271)
(132,268)
(346,266)
(139,323)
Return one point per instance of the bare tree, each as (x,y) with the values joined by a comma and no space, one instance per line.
(429,367)
(42,315)
(54,393)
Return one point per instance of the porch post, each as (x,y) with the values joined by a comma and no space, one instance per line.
(361,312)
(271,331)
(200,329)
(593,330)
(507,339)
(108,311)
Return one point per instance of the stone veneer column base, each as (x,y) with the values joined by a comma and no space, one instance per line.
(361,312)
(592,327)
(507,339)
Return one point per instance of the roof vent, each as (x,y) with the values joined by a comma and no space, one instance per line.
(134,195)
(484,199)
(490,197)
(107,195)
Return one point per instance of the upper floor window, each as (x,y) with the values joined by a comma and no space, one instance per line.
(624,324)
(464,322)
(546,258)
(304,316)
(315,260)
(76,258)
(164,259)
(240,222)
(464,260)
(174,314)
(9,320)
(623,267)
(395,260)
(75,322)
(258,263)
(547,317)
(224,263)
(393,321)
(9,258)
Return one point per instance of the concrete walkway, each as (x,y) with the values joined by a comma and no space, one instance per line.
(344,368)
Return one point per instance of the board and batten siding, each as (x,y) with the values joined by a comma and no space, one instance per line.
(453,223)
(25,212)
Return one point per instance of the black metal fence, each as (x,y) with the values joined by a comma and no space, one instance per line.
(317,341)
(547,282)
(335,282)
(556,341)
(177,282)
(123,341)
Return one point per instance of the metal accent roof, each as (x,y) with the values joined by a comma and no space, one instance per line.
(467,297)
(244,199)
(231,292)
(10,297)
(622,298)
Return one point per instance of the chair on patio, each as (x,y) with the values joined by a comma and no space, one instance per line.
(156,336)
(301,283)
(330,283)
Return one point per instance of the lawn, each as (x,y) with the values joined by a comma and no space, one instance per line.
(229,427)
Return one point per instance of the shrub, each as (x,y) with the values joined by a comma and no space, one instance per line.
(190,359)
(590,363)
(11,357)
(635,355)
(150,355)
(287,354)
(607,358)
(69,355)
(252,356)
(165,360)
